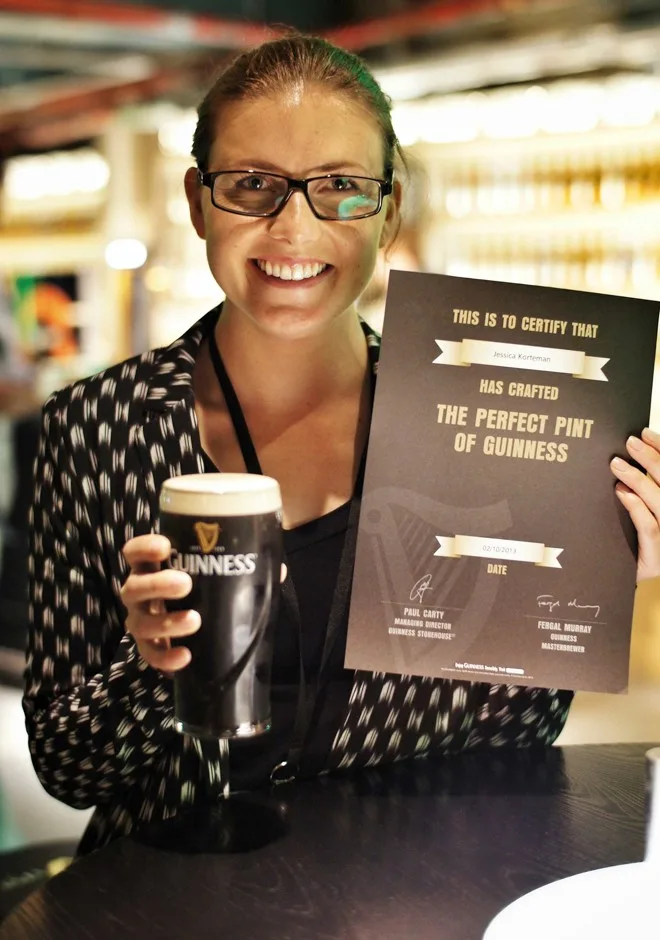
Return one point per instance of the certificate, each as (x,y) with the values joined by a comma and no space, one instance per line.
(491,545)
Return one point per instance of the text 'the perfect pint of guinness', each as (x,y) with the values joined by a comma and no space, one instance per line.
(225,531)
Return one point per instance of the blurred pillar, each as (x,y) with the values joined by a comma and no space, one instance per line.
(126,218)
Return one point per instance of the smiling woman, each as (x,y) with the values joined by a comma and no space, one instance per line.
(281,218)
(295,191)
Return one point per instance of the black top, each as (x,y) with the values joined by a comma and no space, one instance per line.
(312,685)
(313,551)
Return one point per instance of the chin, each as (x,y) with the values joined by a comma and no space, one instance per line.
(293,323)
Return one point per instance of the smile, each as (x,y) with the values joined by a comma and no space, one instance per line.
(293,272)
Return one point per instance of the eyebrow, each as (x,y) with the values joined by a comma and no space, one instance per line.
(322,168)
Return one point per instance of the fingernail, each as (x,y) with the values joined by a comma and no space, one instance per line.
(620,465)
(193,619)
(652,435)
(182,582)
(159,545)
(634,443)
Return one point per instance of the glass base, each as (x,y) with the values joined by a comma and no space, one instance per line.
(241,823)
(247,730)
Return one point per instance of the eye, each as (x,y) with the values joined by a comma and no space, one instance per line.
(254,183)
(343,184)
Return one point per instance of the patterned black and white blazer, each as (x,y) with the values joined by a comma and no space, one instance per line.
(99,718)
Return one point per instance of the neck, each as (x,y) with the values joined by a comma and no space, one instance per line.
(267,368)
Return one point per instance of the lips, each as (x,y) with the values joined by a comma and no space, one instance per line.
(303,271)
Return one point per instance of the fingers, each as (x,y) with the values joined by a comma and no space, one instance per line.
(652,438)
(144,594)
(283,573)
(644,520)
(646,451)
(164,658)
(153,634)
(648,532)
(168,625)
(166,585)
(645,485)
(147,549)
(639,493)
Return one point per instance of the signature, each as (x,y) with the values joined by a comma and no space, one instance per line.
(594,607)
(420,588)
(549,602)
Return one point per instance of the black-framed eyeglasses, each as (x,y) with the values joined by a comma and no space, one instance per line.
(338,198)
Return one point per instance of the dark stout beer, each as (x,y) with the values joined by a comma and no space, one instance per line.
(225,531)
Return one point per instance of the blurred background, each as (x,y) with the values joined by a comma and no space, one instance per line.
(533,134)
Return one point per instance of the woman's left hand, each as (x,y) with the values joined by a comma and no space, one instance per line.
(640,494)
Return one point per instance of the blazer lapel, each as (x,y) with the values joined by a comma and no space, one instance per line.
(167,440)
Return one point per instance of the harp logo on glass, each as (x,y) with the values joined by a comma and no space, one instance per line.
(207,534)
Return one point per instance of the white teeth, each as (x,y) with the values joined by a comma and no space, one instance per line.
(296,272)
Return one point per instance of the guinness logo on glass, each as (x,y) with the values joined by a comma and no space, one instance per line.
(207,534)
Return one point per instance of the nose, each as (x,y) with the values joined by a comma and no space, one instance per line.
(295,223)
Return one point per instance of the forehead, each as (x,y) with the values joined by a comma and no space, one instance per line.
(298,130)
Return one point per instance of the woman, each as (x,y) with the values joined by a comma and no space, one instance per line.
(294,195)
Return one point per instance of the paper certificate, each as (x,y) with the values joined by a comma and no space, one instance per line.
(491,545)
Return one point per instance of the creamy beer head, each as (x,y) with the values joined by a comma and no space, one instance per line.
(220,494)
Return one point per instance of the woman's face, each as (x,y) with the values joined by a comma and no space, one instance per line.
(296,134)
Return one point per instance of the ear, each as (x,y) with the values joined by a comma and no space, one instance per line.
(194,196)
(392,216)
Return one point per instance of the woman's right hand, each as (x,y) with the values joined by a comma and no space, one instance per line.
(144,593)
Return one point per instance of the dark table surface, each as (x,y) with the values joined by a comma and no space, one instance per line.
(423,849)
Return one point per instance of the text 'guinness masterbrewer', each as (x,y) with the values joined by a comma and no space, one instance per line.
(225,531)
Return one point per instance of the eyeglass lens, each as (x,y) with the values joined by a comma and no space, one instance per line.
(337,197)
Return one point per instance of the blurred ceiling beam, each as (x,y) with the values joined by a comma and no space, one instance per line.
(98,21)
(429,18)
(32,113)
(82,114)
(601,48)
(40,58)
(88,22)
(120,70)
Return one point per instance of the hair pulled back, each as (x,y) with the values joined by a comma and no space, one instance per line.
(294,61)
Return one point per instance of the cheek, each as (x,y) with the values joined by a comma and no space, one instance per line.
(223,246)
(365,255)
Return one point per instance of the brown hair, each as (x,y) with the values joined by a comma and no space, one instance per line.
(294,60)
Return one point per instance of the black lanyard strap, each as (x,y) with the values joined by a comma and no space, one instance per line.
(308,691)
(241,429)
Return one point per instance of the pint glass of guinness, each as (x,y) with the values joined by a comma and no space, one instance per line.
(225,531)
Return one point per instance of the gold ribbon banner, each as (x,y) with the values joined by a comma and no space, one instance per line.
(498,550)
(469,352)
